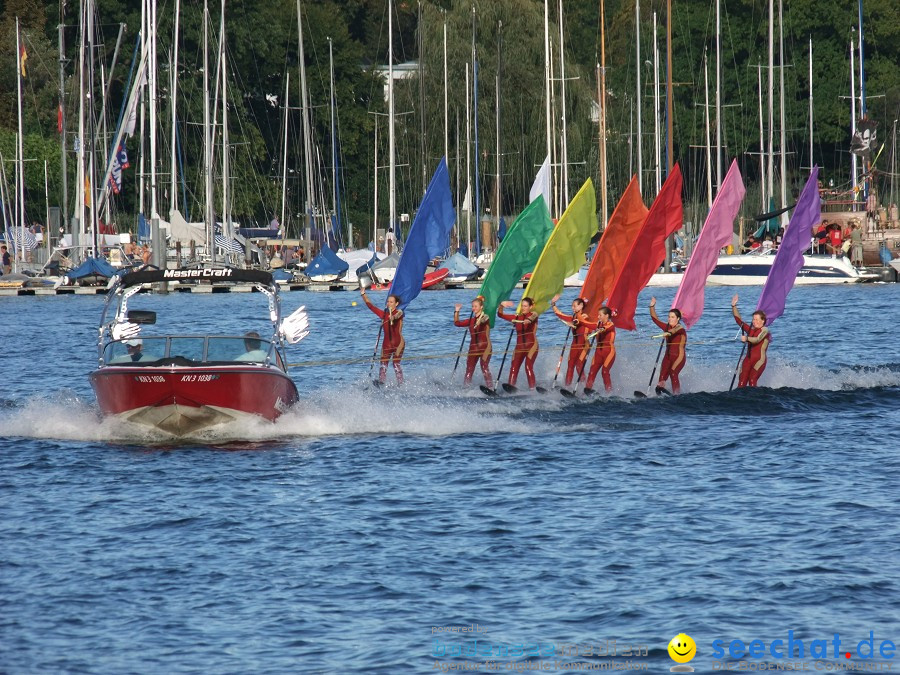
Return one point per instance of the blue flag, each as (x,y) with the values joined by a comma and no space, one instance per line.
(428,237)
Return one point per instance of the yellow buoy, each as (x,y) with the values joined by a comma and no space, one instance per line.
(353,304)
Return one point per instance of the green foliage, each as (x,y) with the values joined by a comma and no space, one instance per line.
(262,51)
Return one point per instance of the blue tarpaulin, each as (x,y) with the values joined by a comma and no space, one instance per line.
(459,266)
(92,266)
(326,263)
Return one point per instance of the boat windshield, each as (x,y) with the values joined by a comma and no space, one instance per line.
(193,349)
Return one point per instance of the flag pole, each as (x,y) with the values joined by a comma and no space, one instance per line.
(461,344)
(737,368)
(561,354)
(505,352)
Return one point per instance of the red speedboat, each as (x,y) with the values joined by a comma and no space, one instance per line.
(184,384)
(431,280)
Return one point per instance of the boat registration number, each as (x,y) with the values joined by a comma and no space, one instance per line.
(149,378)
(199,378)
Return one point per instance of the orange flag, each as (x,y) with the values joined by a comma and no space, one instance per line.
(624,224)
(648,251)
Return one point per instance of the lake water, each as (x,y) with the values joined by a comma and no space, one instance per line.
(366,528)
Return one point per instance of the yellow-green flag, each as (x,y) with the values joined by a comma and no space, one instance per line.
(564,252)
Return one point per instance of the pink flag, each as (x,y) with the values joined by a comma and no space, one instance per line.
(717,233)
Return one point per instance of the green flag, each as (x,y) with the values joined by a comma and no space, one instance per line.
(564,252)
(517,255)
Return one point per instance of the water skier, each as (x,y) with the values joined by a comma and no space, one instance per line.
(757,337)
(676,339)
(526,351)
(479,326)
(392,326)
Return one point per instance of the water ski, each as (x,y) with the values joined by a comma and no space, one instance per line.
(541,390)
(662,391)
(510,389)
(567,393)
(640,394)
(378,384)
(486,391)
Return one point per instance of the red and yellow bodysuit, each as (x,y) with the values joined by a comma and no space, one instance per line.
(479,345)
(757,346)
(673,361)
(393,344)
(526,345)
(604,356)
(581,347)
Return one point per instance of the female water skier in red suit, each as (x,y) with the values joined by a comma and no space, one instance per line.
(392,327)
(581,326)
(676,339)
(757,338)
(605,356)
(525,323)
(479,326)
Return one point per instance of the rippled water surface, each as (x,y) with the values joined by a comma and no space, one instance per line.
(348,536)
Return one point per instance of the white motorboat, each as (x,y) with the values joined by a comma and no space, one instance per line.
(751,269)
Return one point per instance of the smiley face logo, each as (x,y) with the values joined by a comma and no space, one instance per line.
(682,649)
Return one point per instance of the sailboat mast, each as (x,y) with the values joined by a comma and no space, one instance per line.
(762,142)
(467,204)
(601,99)
(770,188)
(156,242)
(854,169)
(497,212)
(638,97)
(307,141)
(207,142)
(392,178)
(811,164)
(656,134)
(287,83)
(781,129)
(563,146)
(20,169)
(547,95)
(92,132)
(226,154)
(478,242)
(173,201)
(718,96)
(709,190)
(446,121)
(334,155)
(64,216)
(375,206)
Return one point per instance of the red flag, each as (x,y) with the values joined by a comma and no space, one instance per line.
(23,57)
(648,251)
(624,224)
(59,120)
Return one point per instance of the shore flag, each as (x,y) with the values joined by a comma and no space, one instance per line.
(428,237)
(23,57)
(517,255)
(716,234)
(120,161)
(564,252)
(648,251)
(541,185)
(789,258)
(624,224)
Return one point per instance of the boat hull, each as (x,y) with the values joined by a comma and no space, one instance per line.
(752,270)
(184,400)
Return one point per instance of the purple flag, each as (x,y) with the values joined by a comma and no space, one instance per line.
(717,233)
(789,258)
